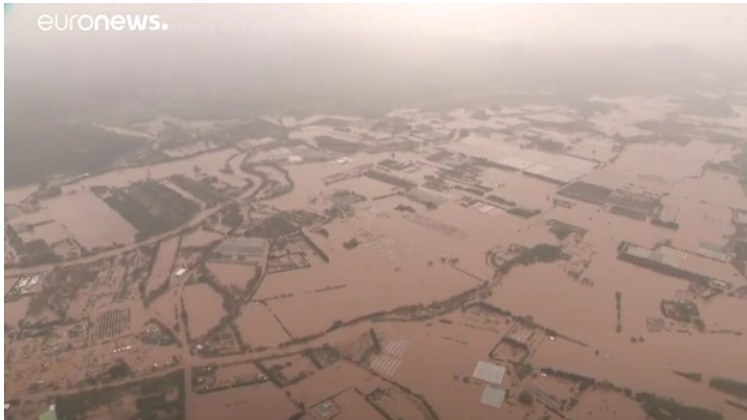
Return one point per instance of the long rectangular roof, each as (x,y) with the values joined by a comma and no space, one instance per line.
(493,396)
(489,372)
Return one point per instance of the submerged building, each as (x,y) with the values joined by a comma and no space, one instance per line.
(673,262)
(489,372)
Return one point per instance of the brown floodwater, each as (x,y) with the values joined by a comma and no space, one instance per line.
(714,187)
(382,287)
(354,405)
(208,162)
(598,404)
(258,327)
(204,307)
(389,268)
(682,161)
(699,221)
(436,360)
(588,314)
(109,228)
(399,261)
(330,381)
(264,401)
(236,275)
(166,309)
(200,238)
(630,111)
(18,194)
(16,310)
(163,266)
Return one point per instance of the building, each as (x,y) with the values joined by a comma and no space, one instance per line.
(489,372)
(493,396)
(675,262)
(241,249)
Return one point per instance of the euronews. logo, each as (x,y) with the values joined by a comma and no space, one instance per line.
(117,23)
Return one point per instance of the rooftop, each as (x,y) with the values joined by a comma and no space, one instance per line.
(489,372)
(692,262)
(493,396)
(252,247)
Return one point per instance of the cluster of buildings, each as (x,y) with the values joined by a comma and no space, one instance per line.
(492,395)
(672,261)
(24,286)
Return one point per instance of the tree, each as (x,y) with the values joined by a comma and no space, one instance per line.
(523,370)
(526,398)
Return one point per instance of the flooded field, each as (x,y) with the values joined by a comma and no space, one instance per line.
(686,161)
(264,401)
(65,212)
(702,222)
(365,273)
(602,404)
(455,348)
(554,298)
(258,326)
(163,266)
(232,275)
(16,311)
(200,238)
(715,188)
(205,307)
(16,195)
(165,309)
(514,262)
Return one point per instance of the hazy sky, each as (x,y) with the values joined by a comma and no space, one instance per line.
(269,56)
(718,28)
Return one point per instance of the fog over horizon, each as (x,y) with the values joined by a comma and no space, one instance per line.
(707,27)
(332,54)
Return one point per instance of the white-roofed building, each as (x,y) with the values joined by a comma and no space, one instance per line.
(493,396)
(489,372)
